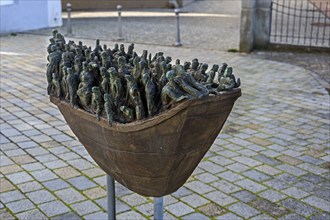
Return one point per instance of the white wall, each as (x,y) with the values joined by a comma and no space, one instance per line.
(23,15)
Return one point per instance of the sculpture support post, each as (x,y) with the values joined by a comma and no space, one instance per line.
(158,208)
(111,198)
(178,40)
(120,30)
(69,27)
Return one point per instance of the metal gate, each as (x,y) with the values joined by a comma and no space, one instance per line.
(301,22)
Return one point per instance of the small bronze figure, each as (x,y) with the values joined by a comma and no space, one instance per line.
(96,101)
(72,81)
(108,107)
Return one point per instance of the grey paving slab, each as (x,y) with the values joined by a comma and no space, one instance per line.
(21,205)
(70,195)
(67,216)
(97,215)
(298,207)
(229,216)
(55,184)
(20,177)
(220,198)
(81,182)
(243,210)
(40,196)
(31,214)
(53,208)
(179,209)
(250,185)
(29,186)
(194,200)
(272,195)
(11,196)
(318,203)
(196,216)
(44,175)
(85,207)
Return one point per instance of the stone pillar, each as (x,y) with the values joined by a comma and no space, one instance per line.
(247,25)
(255,24)
(262,24)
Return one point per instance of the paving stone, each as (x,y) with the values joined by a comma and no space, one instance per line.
(134,199)
(69,156)
(206,177)
(247,161)
(272,195)
(5,185)
(15,152)
(211,210)
(313,169)
(238,167)
(67,216)
(181,192)
(311,160)
(256,175)
(222,161)
(130,215)
(21,205)
(243,210)
(85,207)
(321,216)
(268,207)
(95,193)
(292,216)
(120,206)
(70,195)
(230,176)
(93,172)
(268,170)
(56,184)
(11,196)
(228,216)
(250,185)
(58,150)
(53,208)
(40,196)
(295,192)
(55,164)
(199,187)
(81,164)
(146,209)
(225,186)
(313,178)
(10,169)
(29,186)
(23,159)
(291,169)
(262,217)
(46,158)
(194,200)
(298,207)
(5,214)
(287,178)
(81,182)
(244,196)
(43,175)
(267,160)
(97,215)
(220,198)
(33,166)
(306,186)
(67,172)
(323,193)
(20,177)
(31,214)
(101,180)
(318,203)
(36,151)
(196,216)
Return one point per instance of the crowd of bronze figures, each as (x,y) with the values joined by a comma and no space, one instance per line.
(124,86)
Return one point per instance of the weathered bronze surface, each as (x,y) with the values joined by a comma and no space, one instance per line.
(153,157)
(144,121)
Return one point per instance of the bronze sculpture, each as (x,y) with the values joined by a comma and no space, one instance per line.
(155,121)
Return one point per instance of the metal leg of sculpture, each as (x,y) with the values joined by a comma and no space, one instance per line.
(111,198)
(158,208)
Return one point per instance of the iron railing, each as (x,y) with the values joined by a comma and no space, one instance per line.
(301,22)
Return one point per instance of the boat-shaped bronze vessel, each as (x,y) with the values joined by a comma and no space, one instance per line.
(153,157)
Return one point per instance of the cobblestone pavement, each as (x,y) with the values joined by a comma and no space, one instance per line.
(204,24)
(271,161)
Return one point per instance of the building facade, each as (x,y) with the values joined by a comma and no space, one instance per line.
(23,15)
